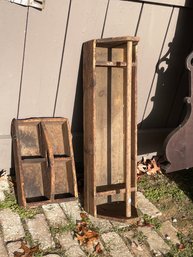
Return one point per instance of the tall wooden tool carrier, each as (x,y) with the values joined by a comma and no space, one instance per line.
(44,161)
(110,132)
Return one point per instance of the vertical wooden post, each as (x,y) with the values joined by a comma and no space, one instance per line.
(89,127)
(134,128)
(128,130)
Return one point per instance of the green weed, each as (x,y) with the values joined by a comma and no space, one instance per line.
(11,203)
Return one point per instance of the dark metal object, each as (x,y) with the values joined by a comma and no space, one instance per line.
(44,161)
(179,143)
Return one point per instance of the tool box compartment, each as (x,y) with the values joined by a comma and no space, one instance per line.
(44,160)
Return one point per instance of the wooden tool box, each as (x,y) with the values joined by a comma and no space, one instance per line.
(110,131)
(44,161)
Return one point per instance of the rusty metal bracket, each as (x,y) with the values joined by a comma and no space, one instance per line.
(38,4)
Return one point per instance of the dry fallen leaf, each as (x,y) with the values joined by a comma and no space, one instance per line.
(85,236)
(84,216)
(98,248)
(27,251)
(18,254)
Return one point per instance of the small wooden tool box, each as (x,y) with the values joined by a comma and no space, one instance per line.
(110,130)
(44,161)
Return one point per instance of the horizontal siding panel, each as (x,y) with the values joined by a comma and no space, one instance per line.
(12,29)
(151,40)
(176,3)
(122,19)
(165,80)
(44,45)
(85,23)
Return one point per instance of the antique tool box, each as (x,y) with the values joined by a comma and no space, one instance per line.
(110,131)
(44,162)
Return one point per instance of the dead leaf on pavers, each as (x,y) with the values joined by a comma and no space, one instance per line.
(18,254)
(86,236)
(148,166)
(98,248)
(27,251)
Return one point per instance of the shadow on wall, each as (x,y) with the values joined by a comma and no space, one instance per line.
(172,86)
(77,124)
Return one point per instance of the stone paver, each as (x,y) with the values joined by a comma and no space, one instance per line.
(3,251)
(11,225)
(72,210)
(4,184)
(40,232)
(71,246)
(146,207)
(54,214)
(115,245)
(139,250)
(120,225)
(168,231)
(155,242)
(13,247)
(52,255)
(2,196)
(103,225)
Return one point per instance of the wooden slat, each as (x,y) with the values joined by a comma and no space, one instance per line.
(72,164)
(116,144)
(115,41)
(112,189)
(111,64)
(134,129)
(18,166)
(89,126)
(128,138)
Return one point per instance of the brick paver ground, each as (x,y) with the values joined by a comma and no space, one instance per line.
(116,239)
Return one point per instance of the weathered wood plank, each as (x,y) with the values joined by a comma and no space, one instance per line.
(89,127)
(42,59)
(128,122)
(108,104)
